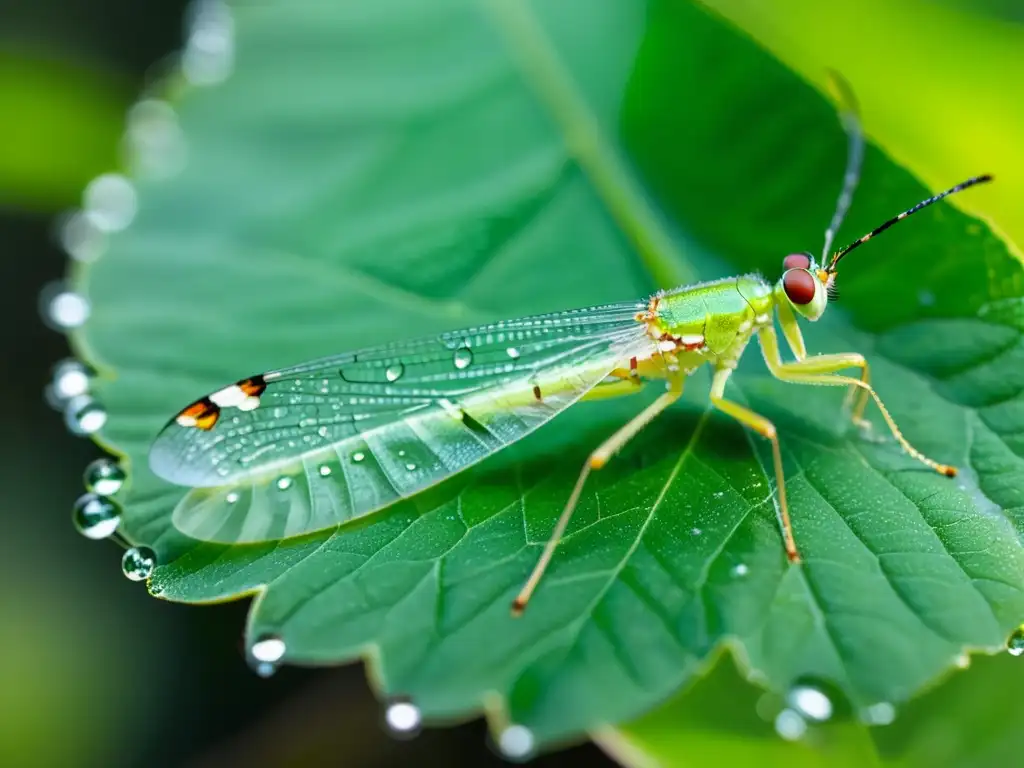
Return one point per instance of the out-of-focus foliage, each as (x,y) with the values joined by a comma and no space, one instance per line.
(939,83)
(721,719)
(60,123)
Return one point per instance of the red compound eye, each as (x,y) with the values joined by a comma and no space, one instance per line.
(799,286)
(796,261)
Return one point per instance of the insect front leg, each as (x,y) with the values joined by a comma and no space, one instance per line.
(824,370)
(597,460)
(856,394)
(766,429)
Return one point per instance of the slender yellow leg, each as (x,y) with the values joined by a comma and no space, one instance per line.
(596,460)
(834,363)
(766,429)
(822,370)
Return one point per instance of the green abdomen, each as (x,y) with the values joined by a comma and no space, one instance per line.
(723,312)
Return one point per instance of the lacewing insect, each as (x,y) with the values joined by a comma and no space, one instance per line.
(309,447)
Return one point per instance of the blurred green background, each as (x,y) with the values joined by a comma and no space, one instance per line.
(95,672)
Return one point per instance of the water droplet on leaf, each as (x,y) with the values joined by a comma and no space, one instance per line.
(1015,643)
(284,483)
(64,309)
(358,456)
(84,416)
(809,701)
(324,470)
(70,379)
(882,713)
(96,517)
(268,649)
(740,570)
(81,238)
(209,53)
(138,563)
(104,477)
(403,718)
(513,352)
(463,357)
(394,372)
(516,742)
(110,202)
(789,725)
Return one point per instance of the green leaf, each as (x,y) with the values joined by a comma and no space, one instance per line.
(715,721)
(972,720)
(949,118)
(378,170)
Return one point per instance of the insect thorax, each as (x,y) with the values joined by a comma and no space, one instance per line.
(721,314)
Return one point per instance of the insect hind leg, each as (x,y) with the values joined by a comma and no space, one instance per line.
(823,370)
(597,460)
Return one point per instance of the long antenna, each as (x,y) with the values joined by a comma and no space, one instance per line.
(923,204)
(849,115)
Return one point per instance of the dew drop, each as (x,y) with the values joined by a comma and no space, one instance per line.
(110,202)
(268,649)
(104,477)
(394,372)
(809,701)
(138,563)
(153,139)
(232,497)
(284,483)
(963,661)
(1015,643)
(462,358)
(324,470)
(789,725)
(358,456)
(513,352)
(410,466)
(80,238)
(63,309)
(84,416)
(695,531)
(740,570)
(403,718)
(209,53)
(323,431)
(70,379)
(516,742)
(96,517)
(882,713)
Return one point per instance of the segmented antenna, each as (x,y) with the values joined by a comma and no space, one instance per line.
(849,115)
(923,204)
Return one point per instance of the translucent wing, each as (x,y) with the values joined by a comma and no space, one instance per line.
(309,447)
